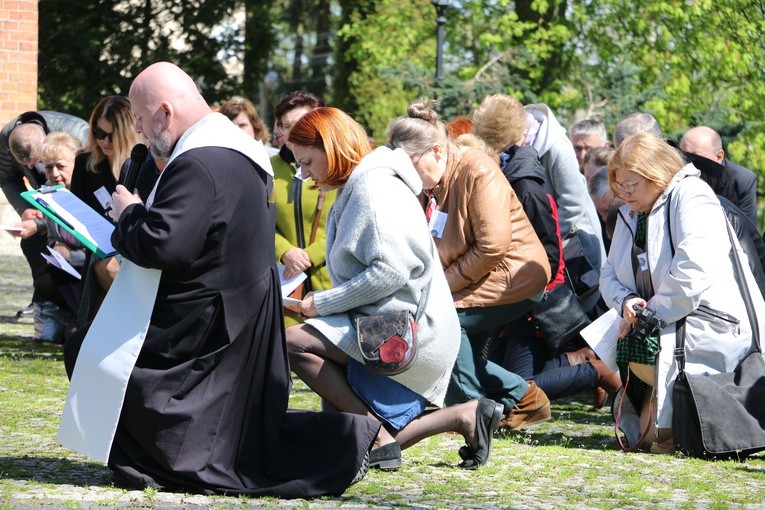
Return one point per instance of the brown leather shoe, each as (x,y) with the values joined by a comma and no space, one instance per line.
(580,356)
(607,379)
(532,409)
(600,397)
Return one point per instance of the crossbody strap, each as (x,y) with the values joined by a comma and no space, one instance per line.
(317,217)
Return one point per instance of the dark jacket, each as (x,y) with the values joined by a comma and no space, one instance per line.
(749,238)
(732,181)
(744,184)
(526,175)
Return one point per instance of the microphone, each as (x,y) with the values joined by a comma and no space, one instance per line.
(137,157)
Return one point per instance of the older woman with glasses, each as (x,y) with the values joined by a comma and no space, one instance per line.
(670,253)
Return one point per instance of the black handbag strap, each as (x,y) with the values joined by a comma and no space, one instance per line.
(739,275)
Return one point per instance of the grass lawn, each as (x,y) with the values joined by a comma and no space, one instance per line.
(569,462)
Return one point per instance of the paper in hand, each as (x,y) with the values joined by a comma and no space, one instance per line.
(289,285)
(603,335)
(58,260)
(288,301)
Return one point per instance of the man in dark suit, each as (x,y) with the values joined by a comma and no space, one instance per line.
(706,142)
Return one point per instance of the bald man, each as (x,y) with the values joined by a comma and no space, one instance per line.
(706,142)
(206,404)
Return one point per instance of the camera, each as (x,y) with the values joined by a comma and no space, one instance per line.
(647,322)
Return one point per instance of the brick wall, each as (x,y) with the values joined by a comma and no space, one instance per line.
(18,82)
(18,57)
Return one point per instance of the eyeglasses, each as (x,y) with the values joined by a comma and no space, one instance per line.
(100,134)
(625,187)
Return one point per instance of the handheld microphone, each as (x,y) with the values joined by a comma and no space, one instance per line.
(137,157)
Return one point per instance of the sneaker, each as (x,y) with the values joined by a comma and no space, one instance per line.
(532,409)
(29,311)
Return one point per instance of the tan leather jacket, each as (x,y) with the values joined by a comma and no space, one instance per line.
(489,250)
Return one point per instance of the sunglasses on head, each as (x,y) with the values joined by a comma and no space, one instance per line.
(100,134)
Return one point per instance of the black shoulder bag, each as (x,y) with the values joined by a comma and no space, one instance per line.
(721,416)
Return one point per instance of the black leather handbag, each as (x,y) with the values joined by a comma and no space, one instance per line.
(721,416)
(559,317)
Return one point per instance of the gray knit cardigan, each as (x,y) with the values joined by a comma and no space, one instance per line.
(380,256)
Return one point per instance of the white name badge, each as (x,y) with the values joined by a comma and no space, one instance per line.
(643,261)
(437,223)
(103,197)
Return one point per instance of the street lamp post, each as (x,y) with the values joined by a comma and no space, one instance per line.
(440,6)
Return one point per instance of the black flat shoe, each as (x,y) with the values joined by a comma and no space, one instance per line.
(466,452)
(386,457)
(487,416)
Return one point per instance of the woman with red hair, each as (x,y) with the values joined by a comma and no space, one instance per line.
(381,259)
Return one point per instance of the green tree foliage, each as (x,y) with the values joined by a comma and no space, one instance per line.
(702,59)
(97,52)
(688,62)
(383,47)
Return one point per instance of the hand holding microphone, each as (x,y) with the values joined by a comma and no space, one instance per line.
(123,196)
(137,157)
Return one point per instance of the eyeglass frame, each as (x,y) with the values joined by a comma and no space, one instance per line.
(625,187)
(100,134)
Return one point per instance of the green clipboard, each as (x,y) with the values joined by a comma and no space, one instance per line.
(75,216)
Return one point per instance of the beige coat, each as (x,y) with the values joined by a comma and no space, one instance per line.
(489,250)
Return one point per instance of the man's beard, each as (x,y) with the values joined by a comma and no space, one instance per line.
(161,144)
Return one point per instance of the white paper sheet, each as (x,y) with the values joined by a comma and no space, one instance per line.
(105,362)
(602,335)
(11,228)
(288,301)
(289,285)
(58,260)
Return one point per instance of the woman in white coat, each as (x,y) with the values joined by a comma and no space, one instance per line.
(670,253)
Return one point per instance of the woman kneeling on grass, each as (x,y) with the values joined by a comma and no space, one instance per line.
(381,258)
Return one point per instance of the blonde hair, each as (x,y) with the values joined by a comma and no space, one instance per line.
(500,120)
(648,156)
(419,131)
(55,144)
(116,111)
(469,140)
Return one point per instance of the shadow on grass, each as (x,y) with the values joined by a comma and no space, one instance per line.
(10,319)
(54,471)
(12,346)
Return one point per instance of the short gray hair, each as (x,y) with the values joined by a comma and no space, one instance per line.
(635,123)
(589,127)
